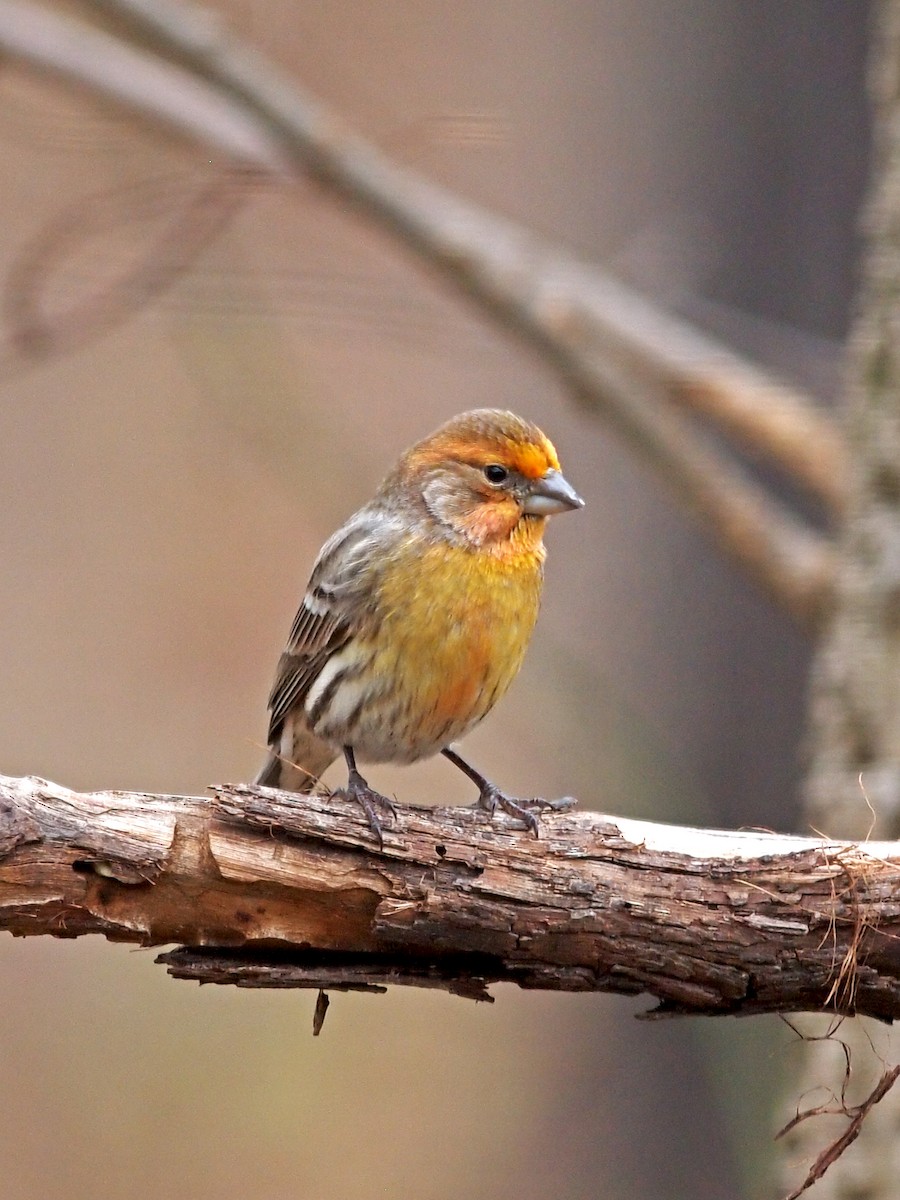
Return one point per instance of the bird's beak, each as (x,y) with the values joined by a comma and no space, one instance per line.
(552,493)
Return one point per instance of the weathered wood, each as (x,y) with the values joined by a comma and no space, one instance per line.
(269,889)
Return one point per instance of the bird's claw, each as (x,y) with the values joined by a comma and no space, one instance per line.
(369,800)
(562,804)
(490,798)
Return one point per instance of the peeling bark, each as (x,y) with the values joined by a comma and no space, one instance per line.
(265,889)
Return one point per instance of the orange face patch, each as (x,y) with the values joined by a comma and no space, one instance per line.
(491,520)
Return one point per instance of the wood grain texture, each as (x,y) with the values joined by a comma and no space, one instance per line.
(264,888)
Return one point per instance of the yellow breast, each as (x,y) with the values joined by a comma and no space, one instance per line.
(453,632)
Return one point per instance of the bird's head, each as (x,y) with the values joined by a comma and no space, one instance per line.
(486,474)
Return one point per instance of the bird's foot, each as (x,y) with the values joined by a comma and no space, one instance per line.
(490,798)
(369,800)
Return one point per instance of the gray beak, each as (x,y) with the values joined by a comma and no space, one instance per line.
(550,494)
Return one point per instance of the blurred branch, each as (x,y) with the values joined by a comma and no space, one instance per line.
(191,226)
(625,358)
(760,534)
(291,893)
(853,739)
(105,65)
(538,288)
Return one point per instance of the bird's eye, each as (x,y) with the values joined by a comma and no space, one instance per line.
(494,473)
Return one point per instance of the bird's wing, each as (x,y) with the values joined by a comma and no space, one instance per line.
(338,598)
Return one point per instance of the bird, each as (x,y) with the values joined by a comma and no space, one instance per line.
(418,613)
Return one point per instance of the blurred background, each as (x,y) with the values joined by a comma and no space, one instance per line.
(167,480)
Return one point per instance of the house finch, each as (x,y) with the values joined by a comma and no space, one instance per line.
(419,610)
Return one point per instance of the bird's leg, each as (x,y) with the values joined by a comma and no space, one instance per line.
(358,789)
(491,798)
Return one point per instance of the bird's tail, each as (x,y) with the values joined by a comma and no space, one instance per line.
(277,773)
(296,759)
(270,775)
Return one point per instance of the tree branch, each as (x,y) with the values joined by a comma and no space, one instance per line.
(548,294)
(624,357)
(267,889)
(621,354)
(105,65)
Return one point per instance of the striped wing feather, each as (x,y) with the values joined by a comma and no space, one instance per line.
(338,598)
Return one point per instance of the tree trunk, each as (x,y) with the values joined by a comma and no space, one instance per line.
(854,731)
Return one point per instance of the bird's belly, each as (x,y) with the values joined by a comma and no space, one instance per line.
(439,659)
